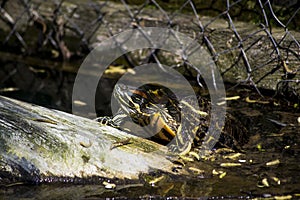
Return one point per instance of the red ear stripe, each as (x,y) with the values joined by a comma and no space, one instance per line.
(138,92)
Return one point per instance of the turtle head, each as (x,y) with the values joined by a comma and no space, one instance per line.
(130,99)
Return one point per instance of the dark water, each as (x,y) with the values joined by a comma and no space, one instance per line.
(268,165)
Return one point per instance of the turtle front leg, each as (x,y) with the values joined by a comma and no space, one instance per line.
(106,120)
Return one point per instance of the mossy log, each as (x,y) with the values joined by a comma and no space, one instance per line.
(38,144)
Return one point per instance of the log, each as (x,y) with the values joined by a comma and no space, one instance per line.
(40,145)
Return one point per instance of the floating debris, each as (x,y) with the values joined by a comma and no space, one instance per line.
(233,156)
(215,172)
(119,70)
(194,154)
(222,175)
(196,170)
(116,69)
(156,180)
(224,150)
(9,89)
(54,53)
(230,164)
(187,159)
(259,147)
(108,185)
(283,197)
(248,100)
(34,70)
(277,122)
(277,180)
(79,103)
(263,183)
(274,162)
(232,98)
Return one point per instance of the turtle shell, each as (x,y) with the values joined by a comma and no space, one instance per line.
(157,111)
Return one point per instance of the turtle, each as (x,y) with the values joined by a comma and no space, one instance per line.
(154,112)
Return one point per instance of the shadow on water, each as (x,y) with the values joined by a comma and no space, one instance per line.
(267,166)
